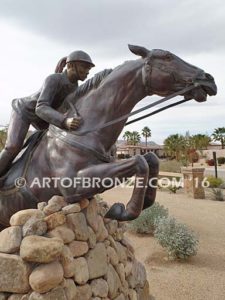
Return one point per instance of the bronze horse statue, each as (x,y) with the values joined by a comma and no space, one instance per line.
(62,155)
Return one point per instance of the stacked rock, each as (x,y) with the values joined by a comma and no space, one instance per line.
(68,252)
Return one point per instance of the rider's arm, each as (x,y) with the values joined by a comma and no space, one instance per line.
(44,108)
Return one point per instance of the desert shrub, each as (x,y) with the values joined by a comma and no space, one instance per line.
(222,186)
(221,160)
(173,189)
(178,240)
(172,183)
(170,166)
(217,194)
(145,223)
(214,182)
(210,162)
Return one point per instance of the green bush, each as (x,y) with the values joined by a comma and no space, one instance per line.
(176,238)
(145,223)
(214,182)
(221,160)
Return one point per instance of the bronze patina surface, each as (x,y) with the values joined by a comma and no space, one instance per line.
(62,153)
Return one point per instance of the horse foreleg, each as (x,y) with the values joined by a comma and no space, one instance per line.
(150,194)
(117,170)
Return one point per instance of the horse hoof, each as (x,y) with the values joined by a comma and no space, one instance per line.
(115,211)
(118,212)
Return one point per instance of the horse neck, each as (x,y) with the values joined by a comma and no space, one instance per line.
(124,96)
(116,96)
(130,88)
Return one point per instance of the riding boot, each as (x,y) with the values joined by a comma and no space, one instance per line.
(5,160)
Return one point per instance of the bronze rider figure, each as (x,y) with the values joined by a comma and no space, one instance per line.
(41,108)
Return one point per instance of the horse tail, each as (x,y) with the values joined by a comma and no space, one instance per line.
(60,65)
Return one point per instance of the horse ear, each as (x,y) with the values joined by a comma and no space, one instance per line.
(138,50)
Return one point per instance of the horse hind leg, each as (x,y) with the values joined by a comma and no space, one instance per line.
(135,205)
(116,170)
(150,194)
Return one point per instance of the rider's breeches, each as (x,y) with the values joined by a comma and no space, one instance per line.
(17,132)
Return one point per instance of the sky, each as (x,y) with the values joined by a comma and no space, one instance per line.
(36,34)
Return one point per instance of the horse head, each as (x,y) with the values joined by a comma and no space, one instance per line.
(165,73)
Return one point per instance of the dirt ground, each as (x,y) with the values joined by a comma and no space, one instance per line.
(203,276)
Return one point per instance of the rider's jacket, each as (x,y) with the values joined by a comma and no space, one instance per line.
(40,108)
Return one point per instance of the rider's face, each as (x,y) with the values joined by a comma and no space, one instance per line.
(78,70)
(82,70)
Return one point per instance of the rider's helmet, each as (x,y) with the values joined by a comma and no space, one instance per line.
(79,55)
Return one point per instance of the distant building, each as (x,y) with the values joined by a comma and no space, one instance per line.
(213,147)
(124,150)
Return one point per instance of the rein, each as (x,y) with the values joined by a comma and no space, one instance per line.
(157,111)
(186,89)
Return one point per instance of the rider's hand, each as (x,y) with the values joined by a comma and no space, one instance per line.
(72,123)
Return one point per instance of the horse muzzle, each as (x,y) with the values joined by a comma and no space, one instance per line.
(205,86)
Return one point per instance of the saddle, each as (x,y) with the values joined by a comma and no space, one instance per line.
(21,162)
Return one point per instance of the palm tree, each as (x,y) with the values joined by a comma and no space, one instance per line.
(146,133)
(135,138)
(175,145)
(200,141)
(127,136)
(219,135)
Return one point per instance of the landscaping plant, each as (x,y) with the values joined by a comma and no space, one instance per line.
(145,223)
(178,240)
(217,194)
(214,182)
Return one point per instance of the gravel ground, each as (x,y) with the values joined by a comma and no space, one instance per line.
(203,276)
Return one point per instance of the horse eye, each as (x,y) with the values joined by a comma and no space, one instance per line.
(168,57)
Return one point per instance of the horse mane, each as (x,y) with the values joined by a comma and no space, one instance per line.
(84,89)
(92,83)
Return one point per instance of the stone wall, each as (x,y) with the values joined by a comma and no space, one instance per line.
(68,252)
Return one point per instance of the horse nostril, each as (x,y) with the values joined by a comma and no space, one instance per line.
(208,76)
(204,76)
(201,75)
